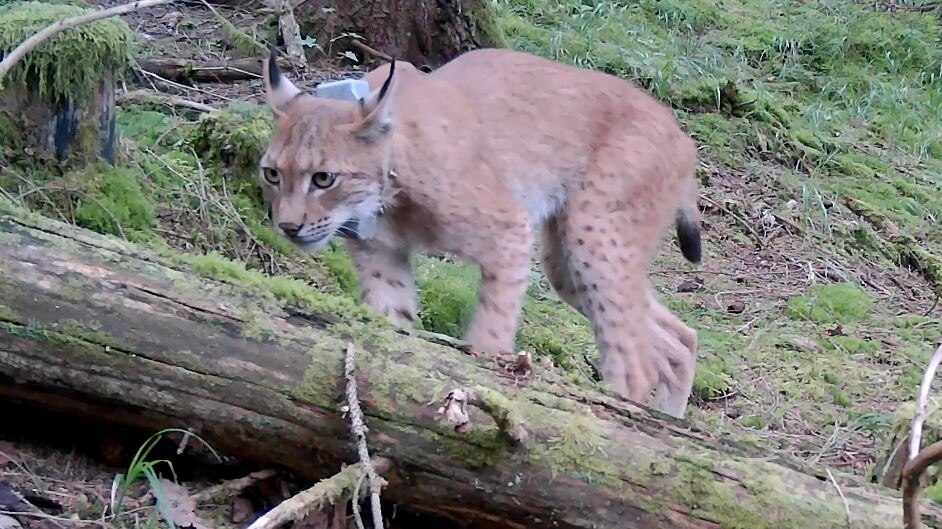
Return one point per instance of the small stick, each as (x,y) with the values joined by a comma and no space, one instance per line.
(57,27)
(358,429)
(841,494)
(144,95)
(919,417)
(454,411)
(371,51)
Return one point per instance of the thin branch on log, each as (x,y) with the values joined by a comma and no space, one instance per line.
(358,429)
(919,416)
(455,412)
(154,97)
(912,474)
(54,29)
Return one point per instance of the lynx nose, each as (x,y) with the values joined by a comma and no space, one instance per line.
(289,228)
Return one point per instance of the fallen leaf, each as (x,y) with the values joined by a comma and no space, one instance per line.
(241,509)
(179,505)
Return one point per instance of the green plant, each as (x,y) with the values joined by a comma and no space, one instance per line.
(140,466)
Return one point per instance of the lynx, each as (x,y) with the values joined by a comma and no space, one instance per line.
(474,159)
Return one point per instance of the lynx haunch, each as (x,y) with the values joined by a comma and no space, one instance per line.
(476,159)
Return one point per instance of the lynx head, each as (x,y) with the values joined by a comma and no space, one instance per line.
(327,163)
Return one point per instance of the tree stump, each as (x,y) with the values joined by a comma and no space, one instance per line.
(426,33)
(57,105)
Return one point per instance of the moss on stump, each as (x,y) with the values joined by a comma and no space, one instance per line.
(57,103)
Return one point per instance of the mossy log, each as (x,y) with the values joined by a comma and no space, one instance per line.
(426,33)
(112,332)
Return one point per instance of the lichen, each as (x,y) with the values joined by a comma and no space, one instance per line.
(70,63)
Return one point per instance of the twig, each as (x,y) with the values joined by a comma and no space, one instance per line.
(841,493)
(144,95)
(455,412)
(358,44)
(233,486)
(912,473)
(325,492)
(358,429)
(54,29)
(919,416)
(740,220)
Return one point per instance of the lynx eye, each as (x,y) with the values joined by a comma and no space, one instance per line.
(323,180)
(271,176)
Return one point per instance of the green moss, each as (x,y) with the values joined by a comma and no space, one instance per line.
(113,202)
(853,345)
(285,289)
(69,64)
(839,302)
(235,137)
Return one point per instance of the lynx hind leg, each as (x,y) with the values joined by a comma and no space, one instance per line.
(556,266)
(606,264)
(505,266)
(676,344)
(386,281)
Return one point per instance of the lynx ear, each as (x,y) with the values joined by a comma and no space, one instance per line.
(376,108)
(278,89)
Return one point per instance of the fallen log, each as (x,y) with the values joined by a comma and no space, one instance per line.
(110,331)
(183,70)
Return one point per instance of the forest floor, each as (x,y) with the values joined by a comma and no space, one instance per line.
(817,301)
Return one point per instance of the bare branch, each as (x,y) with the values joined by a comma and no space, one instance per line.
(54,29)
(358,429)
(145,95)
(912,473)
(919,417)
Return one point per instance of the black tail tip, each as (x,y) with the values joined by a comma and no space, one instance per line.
(688,235)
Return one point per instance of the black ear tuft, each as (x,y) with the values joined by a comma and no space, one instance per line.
(392,69)
(274,74)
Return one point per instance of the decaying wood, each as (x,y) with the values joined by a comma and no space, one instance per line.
(183,70)
(108,331)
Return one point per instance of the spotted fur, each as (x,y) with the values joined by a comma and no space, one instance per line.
(478,159)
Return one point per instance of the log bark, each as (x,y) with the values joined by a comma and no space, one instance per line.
(107,330)
(426,33)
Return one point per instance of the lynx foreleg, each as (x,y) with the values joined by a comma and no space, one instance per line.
(386,281)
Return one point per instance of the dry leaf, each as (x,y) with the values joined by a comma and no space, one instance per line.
(241,509)
(180,505)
